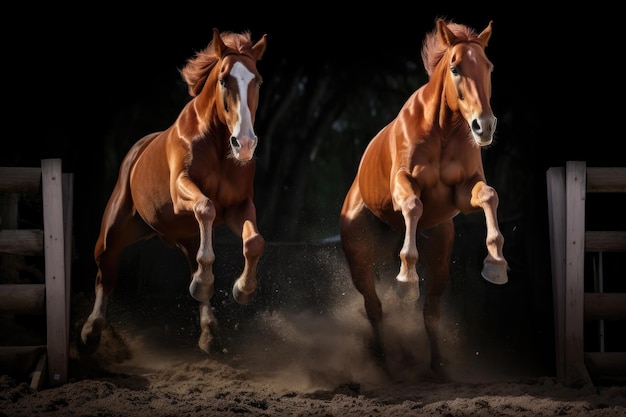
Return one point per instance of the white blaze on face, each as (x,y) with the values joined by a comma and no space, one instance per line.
(243,131)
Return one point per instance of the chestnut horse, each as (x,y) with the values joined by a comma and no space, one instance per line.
(417,174)
(180,183)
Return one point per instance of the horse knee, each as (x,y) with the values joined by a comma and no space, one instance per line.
(253,247)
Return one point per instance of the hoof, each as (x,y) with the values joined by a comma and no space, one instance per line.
(242,297)
(496,273)
(90,336)
(439,372)
(408,292)
(210,343)
(200,292)
(88,348)
(205,341)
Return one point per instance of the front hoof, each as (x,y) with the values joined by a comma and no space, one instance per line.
(242,297)
(199,291)
(496,273)
(408,292)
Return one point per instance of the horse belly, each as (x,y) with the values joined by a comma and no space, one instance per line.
(150,190)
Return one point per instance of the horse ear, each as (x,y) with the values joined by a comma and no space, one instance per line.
(485,34)
(218,43)
(259,48)
(445,34)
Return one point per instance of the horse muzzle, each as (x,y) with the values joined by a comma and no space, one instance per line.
(243,149)
(483,129)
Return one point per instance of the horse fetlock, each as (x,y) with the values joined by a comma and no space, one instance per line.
(495,271)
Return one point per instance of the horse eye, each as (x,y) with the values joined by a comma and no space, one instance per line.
(454,70)
(222,82)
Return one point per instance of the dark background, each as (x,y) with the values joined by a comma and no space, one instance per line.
(84,84)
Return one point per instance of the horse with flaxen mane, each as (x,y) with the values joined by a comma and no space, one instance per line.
(417,174)
(180,183)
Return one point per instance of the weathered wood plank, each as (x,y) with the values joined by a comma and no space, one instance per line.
(23,298)
(575,186)
(56,283)
(605,241)
(606,180)
(20,180)
(27,242)
(555,178)
(605,306)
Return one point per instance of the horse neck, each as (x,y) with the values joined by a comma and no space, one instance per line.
(200,118)
(436,108)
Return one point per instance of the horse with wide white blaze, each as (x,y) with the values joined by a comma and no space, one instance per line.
(417,174)
(180,183)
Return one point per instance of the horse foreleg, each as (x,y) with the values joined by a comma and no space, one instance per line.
(208,327)
(202,283)
(494,265)
(412,208)
(245,286)
(436,254)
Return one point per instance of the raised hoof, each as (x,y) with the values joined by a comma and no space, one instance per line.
(408,292)
(496,273)
(242,297)
(199,292)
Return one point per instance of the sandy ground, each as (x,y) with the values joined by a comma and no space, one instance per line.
(279,363)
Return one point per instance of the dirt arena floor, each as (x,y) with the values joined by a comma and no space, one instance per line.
(295,351)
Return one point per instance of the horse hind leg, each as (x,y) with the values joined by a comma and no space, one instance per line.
(91,331)
(118,234)
(92,328)
(360,244)
(436,251)
(208,327)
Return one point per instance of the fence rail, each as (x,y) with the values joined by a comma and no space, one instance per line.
(570,241)
(53,242)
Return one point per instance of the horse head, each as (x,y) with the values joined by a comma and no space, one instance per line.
(467,85)
(238,84)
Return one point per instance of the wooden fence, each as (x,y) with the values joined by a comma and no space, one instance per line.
(574,302)
(53,242)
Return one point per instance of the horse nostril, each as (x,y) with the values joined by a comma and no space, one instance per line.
(233,142)
(476,126)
